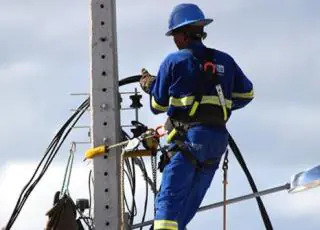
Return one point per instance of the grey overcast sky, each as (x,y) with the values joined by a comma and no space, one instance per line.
(45,55)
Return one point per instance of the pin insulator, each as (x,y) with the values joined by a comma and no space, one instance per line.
(136,104)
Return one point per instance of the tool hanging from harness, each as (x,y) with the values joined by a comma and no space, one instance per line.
(179,122)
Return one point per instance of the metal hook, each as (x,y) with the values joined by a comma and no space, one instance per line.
(73,147)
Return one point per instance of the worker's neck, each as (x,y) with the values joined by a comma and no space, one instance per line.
(194,43)
(190,44)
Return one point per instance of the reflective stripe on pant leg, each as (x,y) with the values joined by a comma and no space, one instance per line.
(165,224)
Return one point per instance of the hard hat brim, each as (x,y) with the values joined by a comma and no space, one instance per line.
(201,22)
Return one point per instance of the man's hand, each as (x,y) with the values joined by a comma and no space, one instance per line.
(146,80)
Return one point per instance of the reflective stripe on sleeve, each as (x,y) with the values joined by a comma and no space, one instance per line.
(156,106)
(247,95)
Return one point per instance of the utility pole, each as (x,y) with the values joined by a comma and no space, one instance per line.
(105,114)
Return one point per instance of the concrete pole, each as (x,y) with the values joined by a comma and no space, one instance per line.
(105,114)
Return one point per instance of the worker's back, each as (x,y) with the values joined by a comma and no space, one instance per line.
(180,80)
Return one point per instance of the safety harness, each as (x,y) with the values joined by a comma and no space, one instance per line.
(179,123)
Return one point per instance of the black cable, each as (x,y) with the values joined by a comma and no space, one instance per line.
(134,205)
(145,174)
(85,219)
(130,173)
(129,80)
(125,199)
(140,163)
(131,178)
(50,158)
(133,210)
(51,152)
(241,161)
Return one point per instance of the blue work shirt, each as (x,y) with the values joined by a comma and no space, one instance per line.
(176,83)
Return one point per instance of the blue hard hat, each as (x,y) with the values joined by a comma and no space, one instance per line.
(186,14)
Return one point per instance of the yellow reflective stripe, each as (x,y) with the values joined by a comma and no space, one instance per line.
(185,101)
(171,135)
(243,95)
(225,114)
(165,224)
(194,108)
(156,106)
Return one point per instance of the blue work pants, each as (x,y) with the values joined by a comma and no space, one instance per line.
(183,187)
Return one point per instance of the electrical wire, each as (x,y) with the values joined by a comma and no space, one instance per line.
(130,174)
(85,218)
(145,174)
(131,178)
(51,152)
(53,149)
(133,206)
(45,162)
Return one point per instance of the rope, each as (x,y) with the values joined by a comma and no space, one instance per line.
(67,174)
(225,183)
(122,192)
(90,193)
(154,177)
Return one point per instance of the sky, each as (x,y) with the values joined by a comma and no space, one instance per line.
(45,56)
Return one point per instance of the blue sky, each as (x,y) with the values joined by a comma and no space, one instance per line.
(45,56)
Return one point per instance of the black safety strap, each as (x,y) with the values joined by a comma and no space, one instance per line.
(207,76)
(182,147)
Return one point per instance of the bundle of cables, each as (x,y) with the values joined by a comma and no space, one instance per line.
(130,172)
(46,160)
(51,153)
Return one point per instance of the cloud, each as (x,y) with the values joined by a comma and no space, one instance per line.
(45,55)
(284,210)
(15,175)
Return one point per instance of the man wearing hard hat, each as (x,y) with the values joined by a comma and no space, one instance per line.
(198,88)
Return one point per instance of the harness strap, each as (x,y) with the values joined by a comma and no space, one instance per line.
(177,130)
(208,75)
(182,147)
(196,113)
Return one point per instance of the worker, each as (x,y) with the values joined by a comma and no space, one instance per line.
(198,88)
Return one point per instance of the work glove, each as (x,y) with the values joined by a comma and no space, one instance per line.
(146,80)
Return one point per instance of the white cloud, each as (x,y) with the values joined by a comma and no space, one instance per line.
(44,47)
(14,177)
(21,71)
(295,205)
